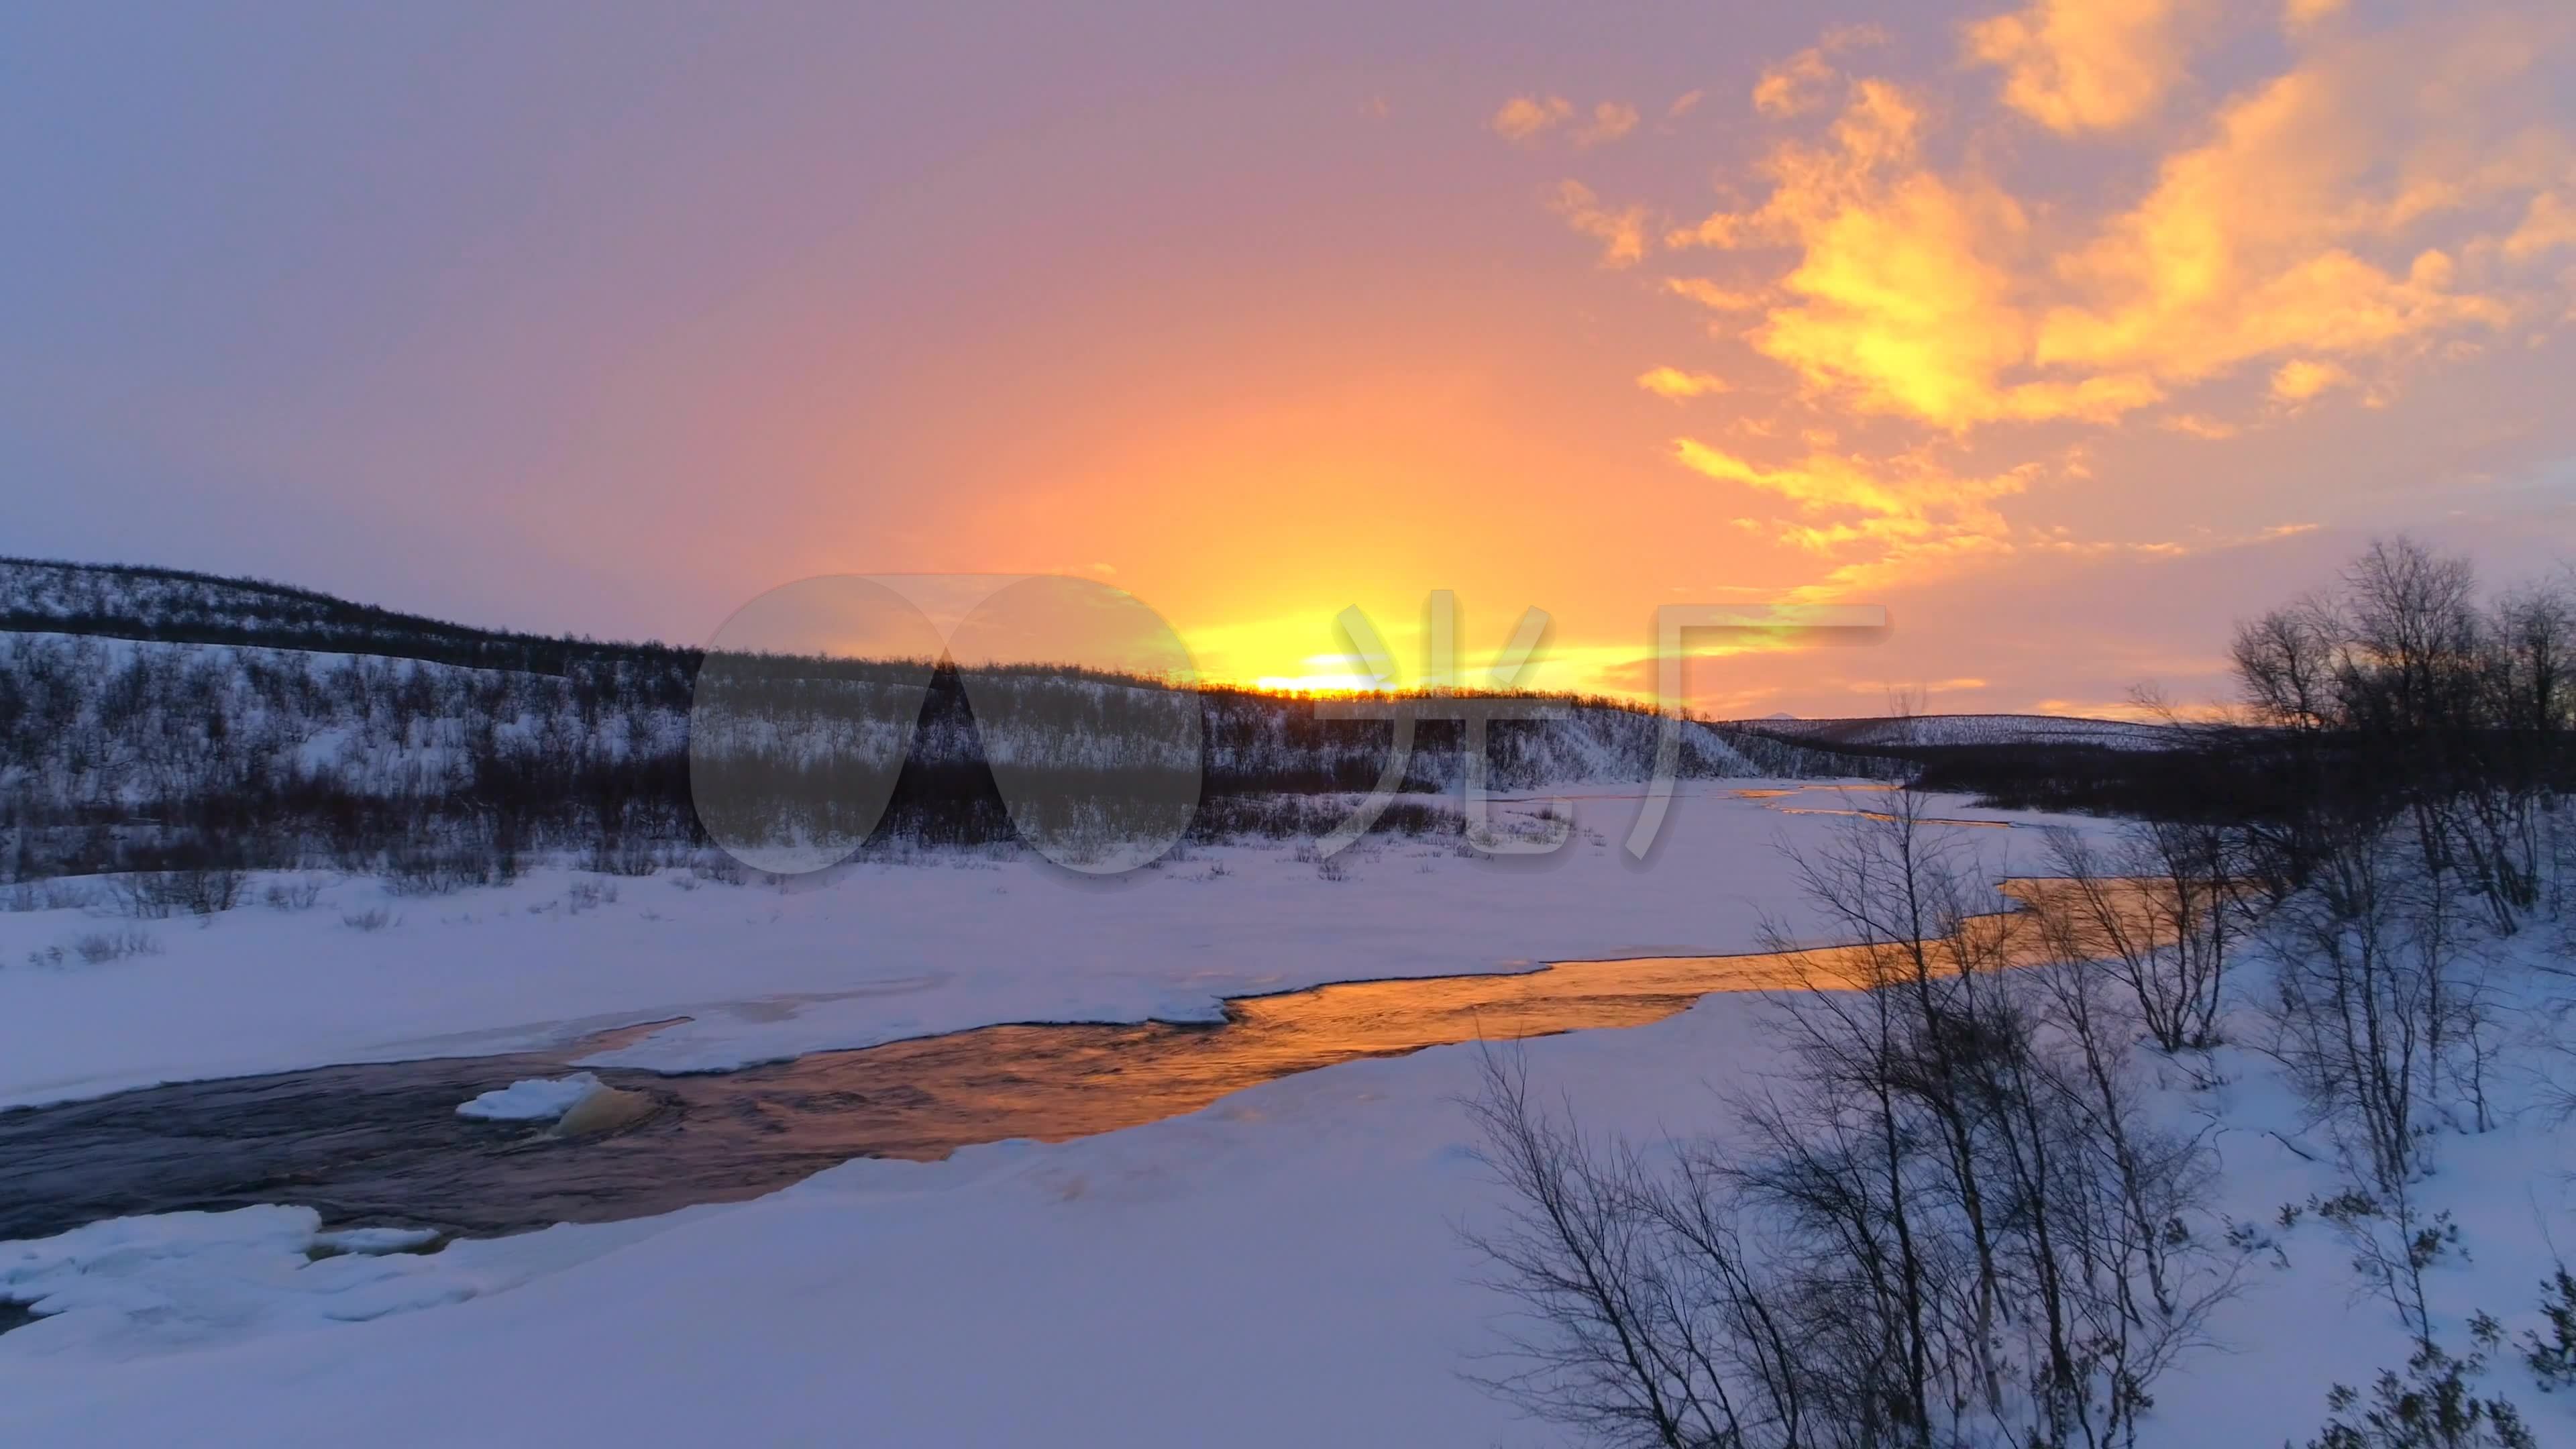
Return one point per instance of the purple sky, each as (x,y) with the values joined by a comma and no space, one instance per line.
(2070,333)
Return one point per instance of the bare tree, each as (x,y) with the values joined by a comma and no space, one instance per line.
(2160,909)
(2429,708)
(1640,1318)
(2379,1010)
(1948,1220)
(2285,662)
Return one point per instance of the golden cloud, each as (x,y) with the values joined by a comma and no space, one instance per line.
(1712,296)
(2250,244)
(2384,200)
(1794,86)
(1622,234)
(1909,512)
(2282,231)
(1908,496)
(2301,379)
(1672,382)
(1906,285)
(2196,425)
(2087,65)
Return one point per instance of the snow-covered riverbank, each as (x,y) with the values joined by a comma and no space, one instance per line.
(1277,1270)
(869,954)
(1281,1268)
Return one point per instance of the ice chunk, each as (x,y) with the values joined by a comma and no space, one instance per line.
(533,1099)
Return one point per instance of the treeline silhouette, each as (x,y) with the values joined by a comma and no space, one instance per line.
(156,719)
(2398,693)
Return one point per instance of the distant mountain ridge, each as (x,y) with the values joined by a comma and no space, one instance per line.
(1945,730)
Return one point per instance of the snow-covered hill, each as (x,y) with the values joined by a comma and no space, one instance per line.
(167,719)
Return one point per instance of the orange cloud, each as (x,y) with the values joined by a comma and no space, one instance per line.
(1672,382)
(2196,425)
(1932,294)
(2548,224)
(1906,288)
(2087,65)
(2251,244)
(2383,201)
(1804,81)
(2301,14)
(1524,117)
(1622,234)
(1909,514)
(1712,296)
(1937,685)
(1610,121)
(1796,85)
(2301,379)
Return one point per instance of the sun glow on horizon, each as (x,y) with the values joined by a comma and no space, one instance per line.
(1319,683)
(2068,330)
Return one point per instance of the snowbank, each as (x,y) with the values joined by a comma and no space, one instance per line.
(114,1291)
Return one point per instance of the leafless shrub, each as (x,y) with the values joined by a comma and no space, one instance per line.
(436,872)
(372,919)
(626,855)
(2393,1242)
(301,894)
(152,895)
(50,895)
(100,947)
(2435,1406)
(718,867)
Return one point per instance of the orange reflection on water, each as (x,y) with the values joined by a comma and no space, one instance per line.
(927,1097)
(381,1143)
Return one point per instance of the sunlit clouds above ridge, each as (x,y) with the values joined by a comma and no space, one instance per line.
(1933,287)
(2067,331)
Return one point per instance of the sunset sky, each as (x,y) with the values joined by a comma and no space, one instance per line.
(2068,333)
